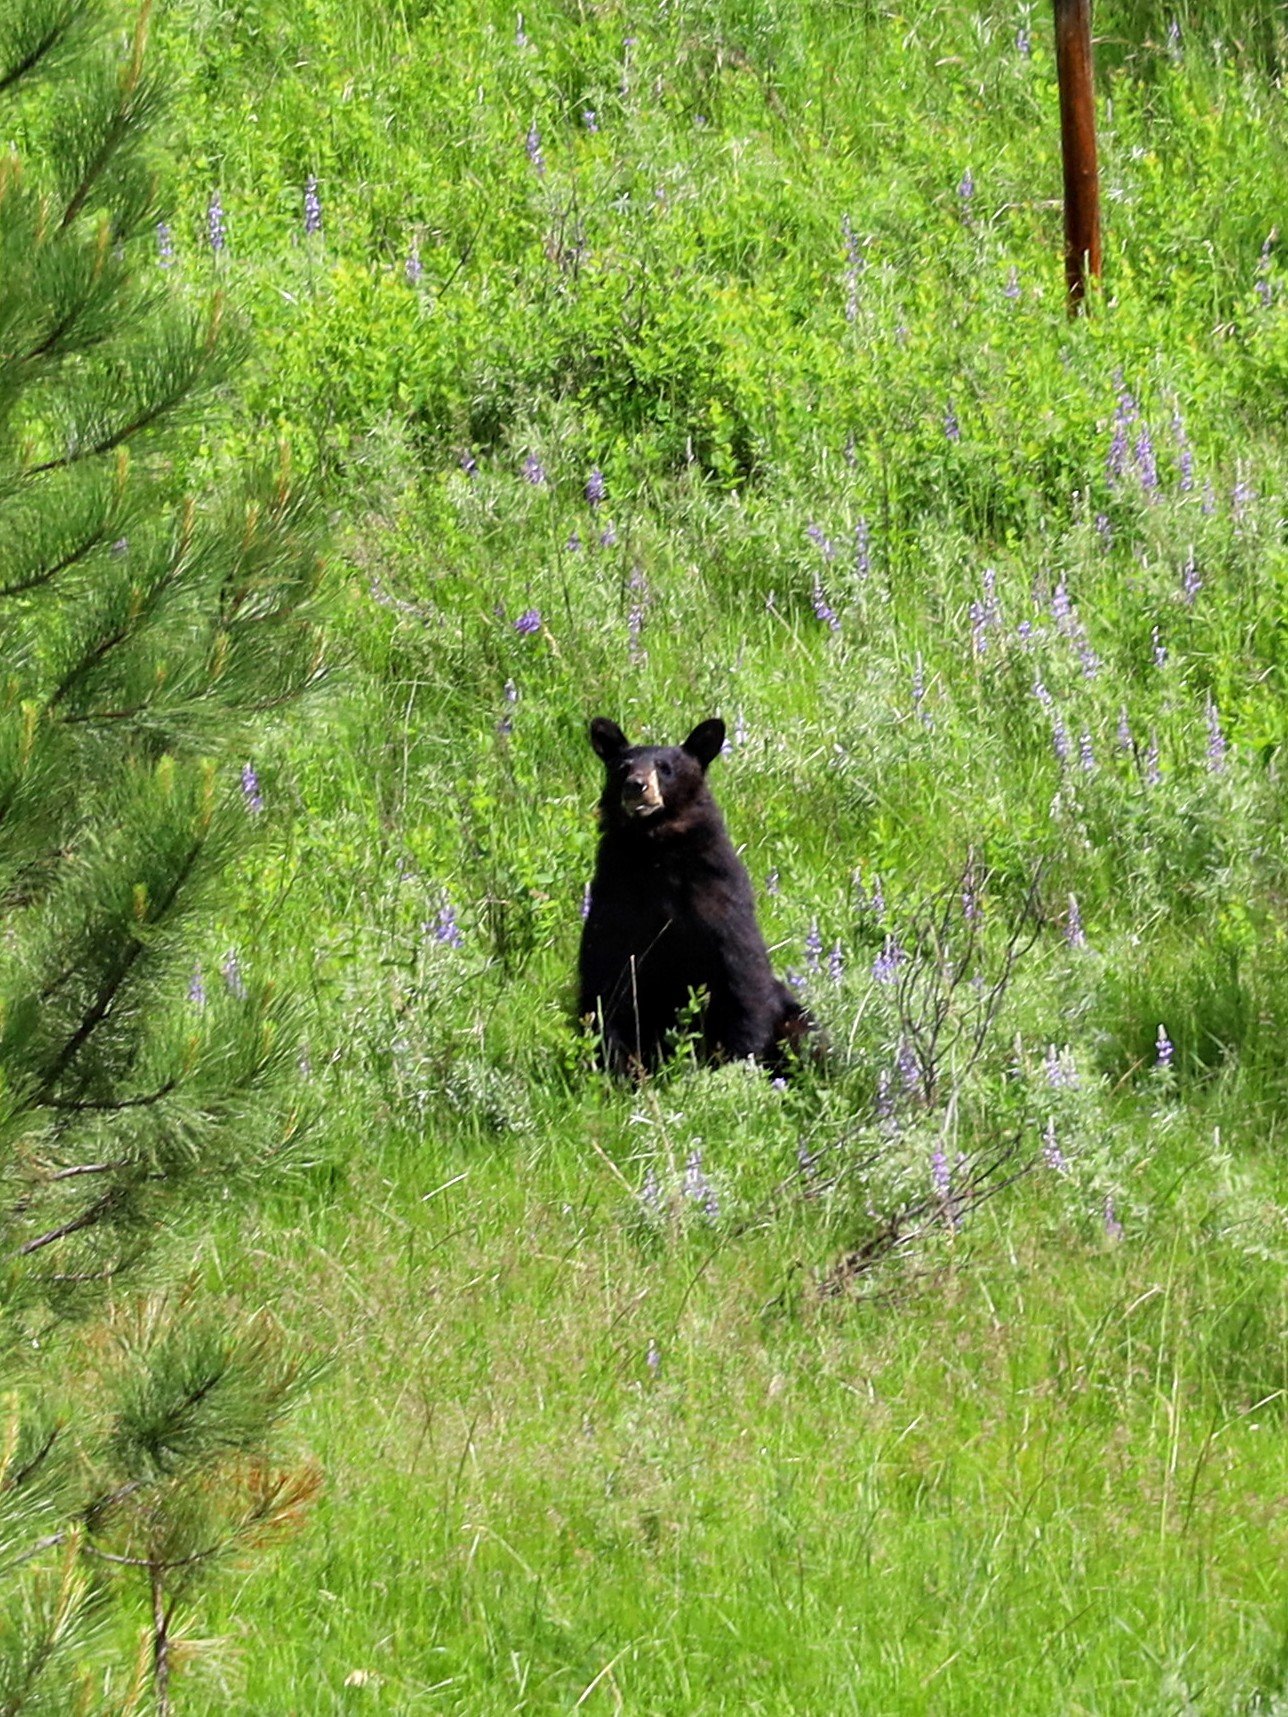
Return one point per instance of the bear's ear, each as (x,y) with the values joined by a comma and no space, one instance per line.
(607,739)
(705,741)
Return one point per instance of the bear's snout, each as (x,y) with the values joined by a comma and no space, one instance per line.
(641,795)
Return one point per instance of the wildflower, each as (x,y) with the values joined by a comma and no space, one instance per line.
(469,464)
(1062,609)
(651,1191)
(887,962)
(1241,496)
(1104,530)
(940,1178)
(1060,738)
(698,1187)
(1054,1068)
(1073,931)
(814,948)
(510,692)
(1209,499)
(1164,1048)
(806,1160)
(520,34)
(250,789)
(1052,1155)
(608,536)
(952,429)
(1125,740)
(1012,288)
(970,897)
(823,608)
(1024,41)
(1043,695)
(908,1068)
(1160,649)
(595,487)
(836,963)
(573,545)
(815,535)
(1146,465)
(413,268)
(534,472)
(165,245)
(533,146)
(884,1101)
(771,883)
(1113,1228)
(854,265)
(966,189)
(120,548)
(878,897)
(1184,452)
(653,1358)
(232,976)
(447,931)
(590,120)
(312,207)
(1265,288)
(197,988)
(216,226)
(1216,745)
(1086,754)
(1191,583)
(1153,774)
(1089,659)
(1174,50)
(585,902)
(862,557)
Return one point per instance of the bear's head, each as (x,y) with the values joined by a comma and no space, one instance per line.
(651,787)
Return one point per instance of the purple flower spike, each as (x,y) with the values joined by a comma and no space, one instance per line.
(585,902)
(1113,1228)
(312,207)
(1012,288)
(824,610)
(887,962)
(232,976)
(165,245)
(533,146)
(821,543)
(590,120)
(1164,1047)
(197,988)
(940,1178)
(250,789)
(1191,582)
(595,486)
(862,554)
(966,188)
(836,964)
(216,226)
(534,472)
(1052,1155)
(413,268)
(528,622)
(814,947)
(1073,931)
(447,930)
(952,429)
(653,1358)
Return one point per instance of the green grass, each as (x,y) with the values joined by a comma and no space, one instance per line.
(1023,1463)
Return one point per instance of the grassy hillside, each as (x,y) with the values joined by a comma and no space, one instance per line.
(951,1379)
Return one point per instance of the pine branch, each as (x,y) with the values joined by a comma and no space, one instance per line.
(47,574)
(57,33)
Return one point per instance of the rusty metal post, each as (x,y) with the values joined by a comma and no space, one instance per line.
(1078,144)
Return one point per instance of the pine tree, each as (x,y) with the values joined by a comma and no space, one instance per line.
(145,639)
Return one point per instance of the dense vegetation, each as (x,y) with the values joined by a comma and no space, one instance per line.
(713,358)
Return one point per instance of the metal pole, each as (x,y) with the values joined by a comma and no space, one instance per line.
(1078,144)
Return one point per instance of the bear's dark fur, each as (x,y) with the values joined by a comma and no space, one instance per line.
(672,915)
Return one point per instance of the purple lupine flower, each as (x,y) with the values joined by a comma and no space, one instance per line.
(806,1159)
(596,489)
(940,1178)
(966,189)
(532,144)
(528,622)
(1105,530)
(1164,1048)
(823,608)
(165,245)
(854,265)
(699,1188)
(573,545)
(1012,288)
(510,692)
(1043,695)
(1216,743)
(971,910)
(1208,506)
(650,1194)
(1086,753)
(447,930)
(1241,496)
(1146,465)
(1073,931)
(887,962)
(1191,582)
(590,120)
(814,948)
(1062,609)
(1113,1228)
(908,1067)
(878,897)
(836,963)
(312,207)
(1024,41)
(1153,774)
(608,536)
(1125,416)
(1160,649)
(1175,53)
(771,883)
(1088,657)
(1052,1155)
(413,268)
(952,429)
(232,976)
(848,453)
(821,543)
(653,1357)
(468,464)
(1054,1068)
(862,555)
(250,789)
(534,472)
(1184,452)
(1060,739)
(586,902)
(520,34)
(197,988)
(216,226)
(1125,740)
(1024,634)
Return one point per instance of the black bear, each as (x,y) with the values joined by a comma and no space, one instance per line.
(671,915)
